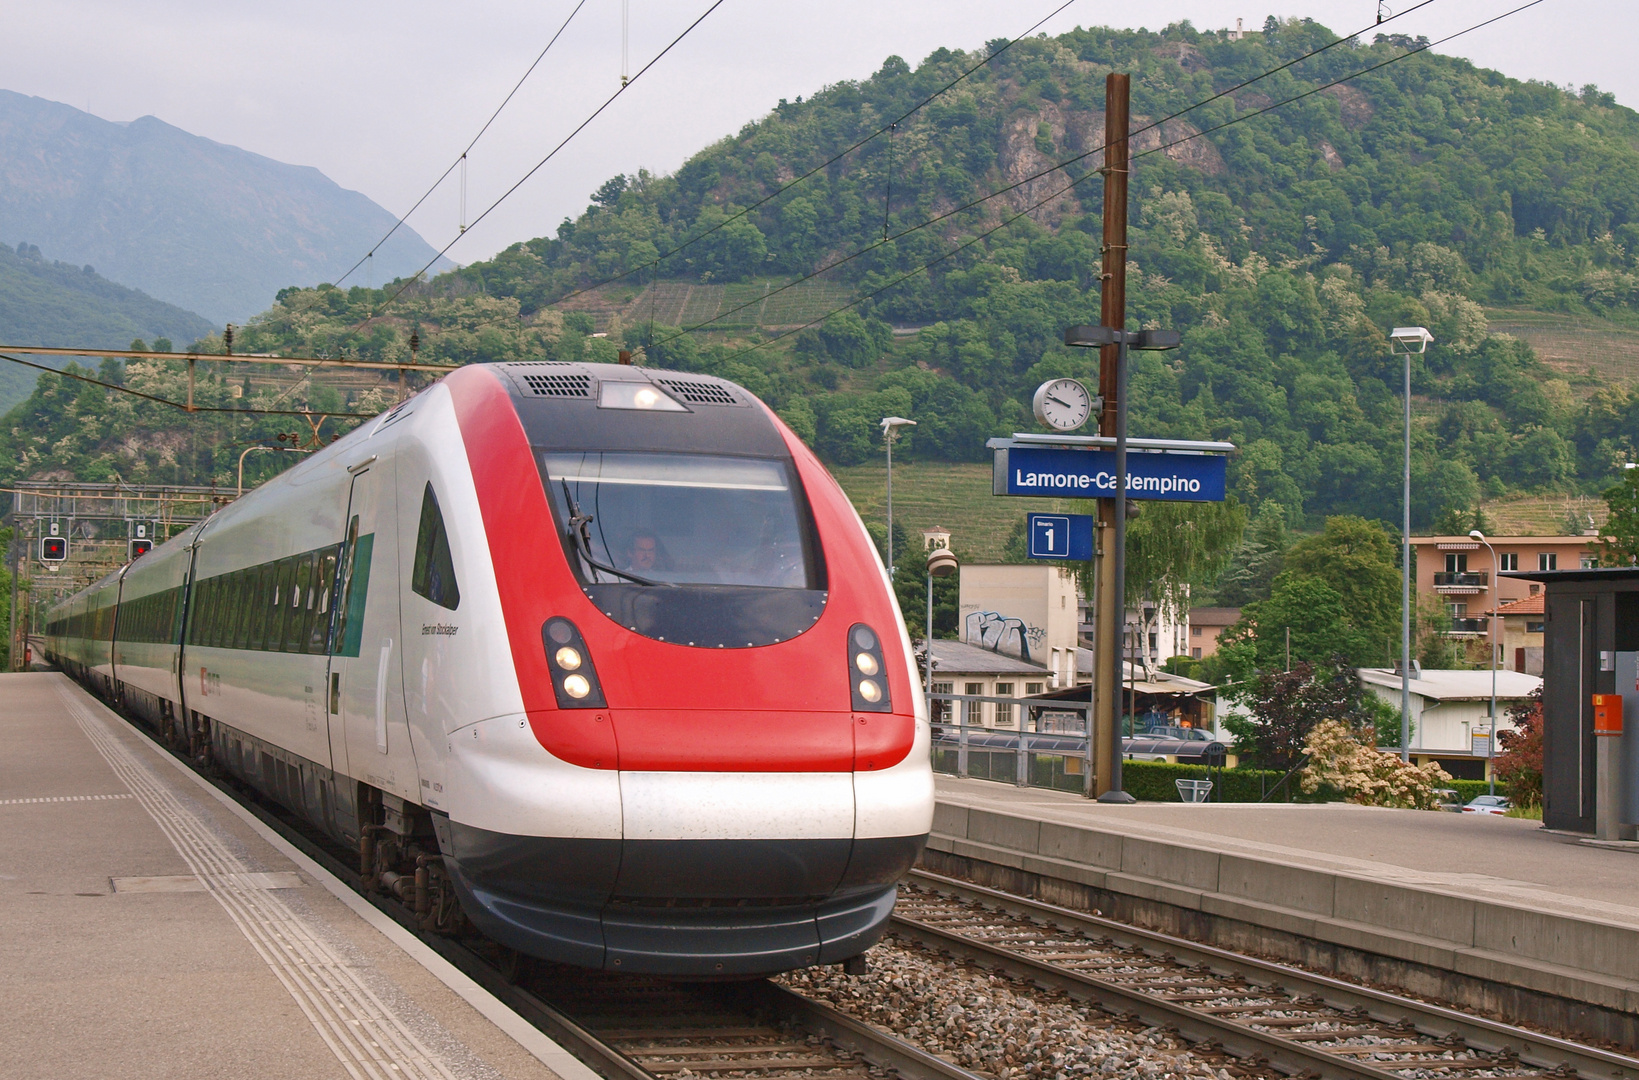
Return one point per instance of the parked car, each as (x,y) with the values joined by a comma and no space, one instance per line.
(1446,799)
(1488,804)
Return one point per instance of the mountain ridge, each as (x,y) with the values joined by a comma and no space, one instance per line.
(204,225)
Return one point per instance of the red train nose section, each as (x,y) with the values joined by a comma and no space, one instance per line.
(777,708)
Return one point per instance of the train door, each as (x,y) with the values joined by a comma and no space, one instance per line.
(369,737)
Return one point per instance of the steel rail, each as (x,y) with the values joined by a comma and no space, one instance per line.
(1547,1052)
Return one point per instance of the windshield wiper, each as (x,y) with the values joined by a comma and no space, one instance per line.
(580,529)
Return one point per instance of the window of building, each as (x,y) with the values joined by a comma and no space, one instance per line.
(1534,627)
(1004,713)
(1195,653)
(1589,562)
(1547,560)
(1535,588)
(1456,562)
(1195,631)
(1457,610)
(1509,560)
(1031,688)
(941,709)
(973,711)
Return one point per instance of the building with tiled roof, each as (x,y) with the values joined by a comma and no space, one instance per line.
(1521,634)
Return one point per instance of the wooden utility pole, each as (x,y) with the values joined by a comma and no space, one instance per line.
(1108,619)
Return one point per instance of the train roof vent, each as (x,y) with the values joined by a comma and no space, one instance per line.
(540,363)
(565,385)
(700,393)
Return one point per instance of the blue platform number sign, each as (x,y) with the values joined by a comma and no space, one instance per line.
(1061,536)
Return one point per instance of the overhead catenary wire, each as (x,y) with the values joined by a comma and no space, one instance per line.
(413,278)
(1420,48)
(183,405)
(461,159)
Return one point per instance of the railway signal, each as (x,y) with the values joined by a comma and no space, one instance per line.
(141,543)
(53,549)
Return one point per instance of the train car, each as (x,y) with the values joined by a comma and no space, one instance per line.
(600,653)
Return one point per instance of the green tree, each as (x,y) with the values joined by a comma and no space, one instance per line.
(1356,559)
(1619,536)
(1286,705)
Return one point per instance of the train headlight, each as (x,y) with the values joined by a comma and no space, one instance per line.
(574,676)
(865,670)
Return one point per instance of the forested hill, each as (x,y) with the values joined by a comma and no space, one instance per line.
(45,302)
(1427,192)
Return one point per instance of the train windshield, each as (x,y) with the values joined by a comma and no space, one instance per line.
(681,519)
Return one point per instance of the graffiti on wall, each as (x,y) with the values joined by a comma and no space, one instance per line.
(1003,633)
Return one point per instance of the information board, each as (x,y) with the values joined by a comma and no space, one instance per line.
(1090,474)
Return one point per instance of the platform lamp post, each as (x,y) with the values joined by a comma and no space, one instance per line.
(1110,682)
(1406,340)
(941,563)
(890,428)
(1491,743)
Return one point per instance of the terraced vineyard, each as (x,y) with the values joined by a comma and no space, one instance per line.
(1589,350)
(684,303)
(953,495)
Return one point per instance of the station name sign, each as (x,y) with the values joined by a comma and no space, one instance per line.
(1090,474)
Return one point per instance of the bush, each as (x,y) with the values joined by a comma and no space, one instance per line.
(1519,766)
(1152,781)
(1340,759)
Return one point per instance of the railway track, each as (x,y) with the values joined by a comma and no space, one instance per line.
(1299,1023)
(636,1028)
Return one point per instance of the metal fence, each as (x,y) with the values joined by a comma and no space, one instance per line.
(1030,743)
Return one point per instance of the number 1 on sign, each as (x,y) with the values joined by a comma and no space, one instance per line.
(1049,538)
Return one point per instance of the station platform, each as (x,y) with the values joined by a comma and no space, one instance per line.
(155,928)
(1459,906)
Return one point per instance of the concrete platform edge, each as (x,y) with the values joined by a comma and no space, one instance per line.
(530,1038)
(1393,920)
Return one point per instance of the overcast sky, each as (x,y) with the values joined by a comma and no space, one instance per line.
(382,96)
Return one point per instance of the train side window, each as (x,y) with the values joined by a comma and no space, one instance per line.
(283,614)
(434,573)
(318,627)
(262,609)
(239,619)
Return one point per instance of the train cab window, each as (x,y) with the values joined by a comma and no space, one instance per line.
(433,575)
(682,519)
(733,532)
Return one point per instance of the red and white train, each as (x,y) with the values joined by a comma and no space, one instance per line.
(606,644)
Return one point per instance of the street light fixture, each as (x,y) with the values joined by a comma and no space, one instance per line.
(1406,340)
(1093,337)
(890,426)
(1491,743)
(941,563)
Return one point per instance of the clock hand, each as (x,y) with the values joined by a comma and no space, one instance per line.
(1060,401)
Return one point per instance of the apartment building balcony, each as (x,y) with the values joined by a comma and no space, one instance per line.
(1461,625)
(1461,582)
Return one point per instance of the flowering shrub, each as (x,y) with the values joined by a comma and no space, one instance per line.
(1340,758)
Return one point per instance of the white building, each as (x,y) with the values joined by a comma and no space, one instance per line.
(1028,612)
(1449,712)
(959,668)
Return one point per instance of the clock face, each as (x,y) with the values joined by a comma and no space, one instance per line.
(1063,404)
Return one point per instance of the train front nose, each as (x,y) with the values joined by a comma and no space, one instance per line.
(715,874)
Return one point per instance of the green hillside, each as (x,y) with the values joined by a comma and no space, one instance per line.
(43,302)
(1282,244)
